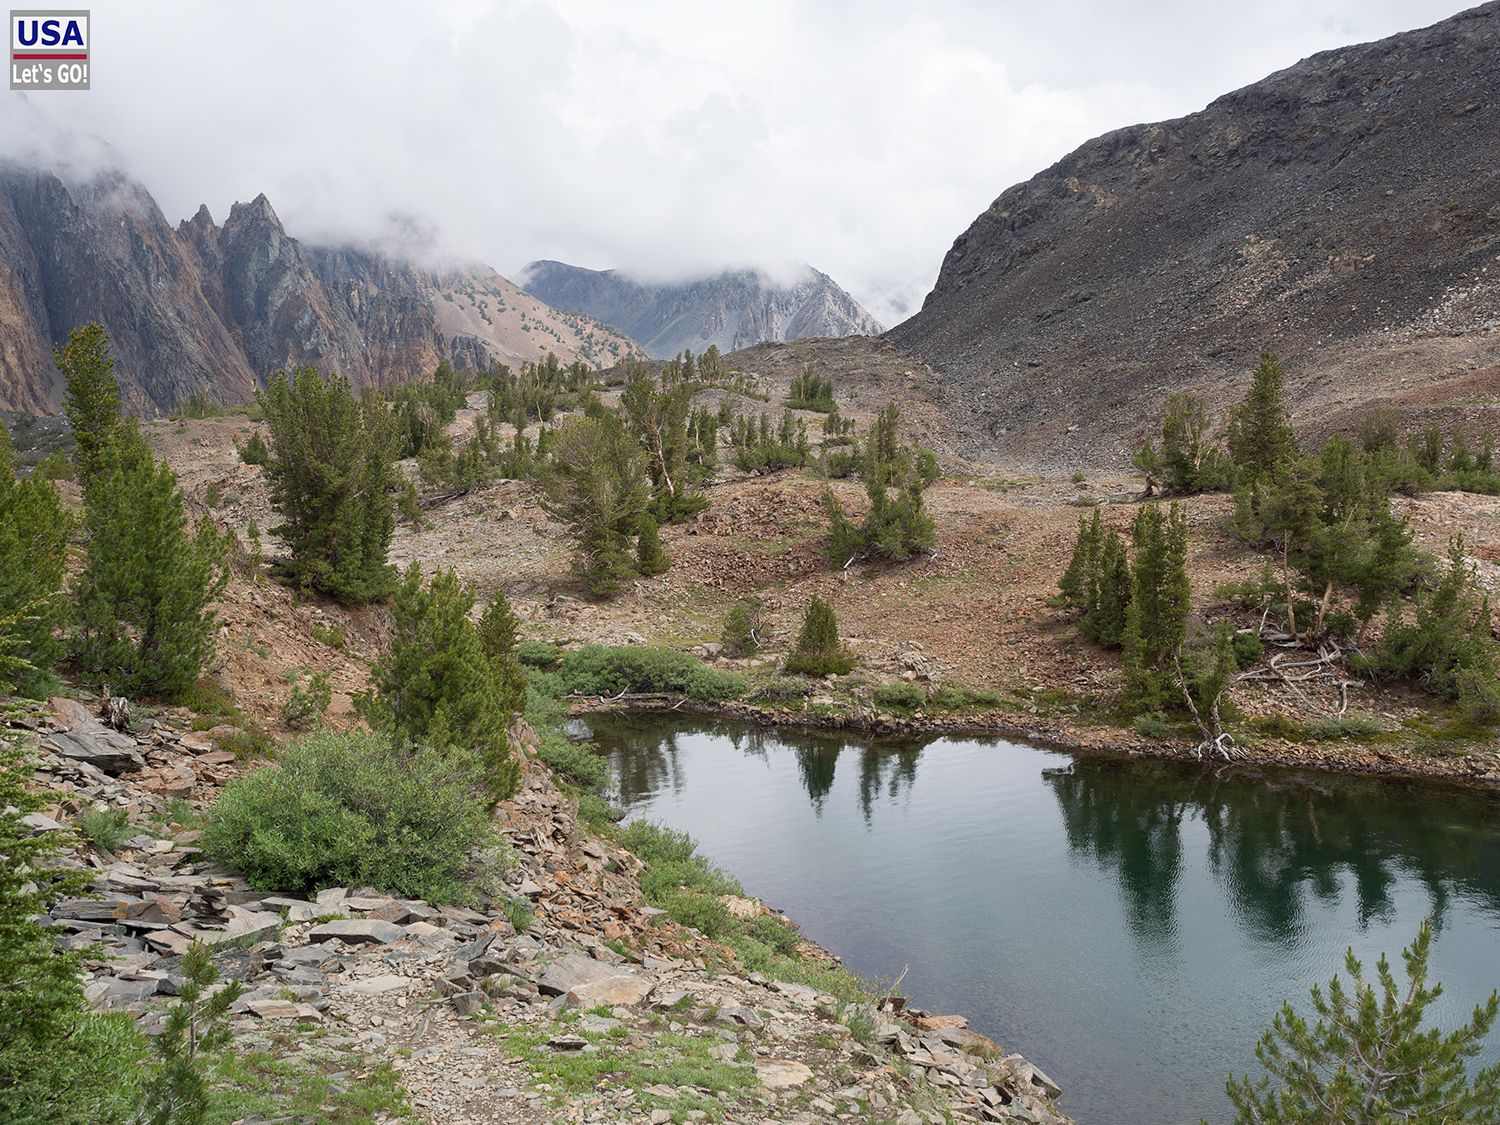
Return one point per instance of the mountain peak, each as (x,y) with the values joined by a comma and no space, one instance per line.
(732,309)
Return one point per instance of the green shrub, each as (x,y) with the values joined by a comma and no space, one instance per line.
(332,636)
(743,627)
(772,931)
(1347,726)
(307,703)
(54,466)
(575,762)
(900,696)
(255,451)
(956,698)
(1279,726)
(355,810)
(630,669)
(108,828)
(537,654)
(1156,726)
(519,914)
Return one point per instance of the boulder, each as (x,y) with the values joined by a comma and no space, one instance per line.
(622,989)
(570,971)
(97,746)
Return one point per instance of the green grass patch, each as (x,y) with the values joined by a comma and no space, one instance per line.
(259,1084)
(108,828)
(681,1062)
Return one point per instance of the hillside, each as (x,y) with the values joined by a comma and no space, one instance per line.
(732,310)
(1344,212)
(215,308)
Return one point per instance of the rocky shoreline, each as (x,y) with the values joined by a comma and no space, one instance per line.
(1049,733)
(585,1004)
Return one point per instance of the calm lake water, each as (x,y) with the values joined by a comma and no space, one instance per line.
(1130,927)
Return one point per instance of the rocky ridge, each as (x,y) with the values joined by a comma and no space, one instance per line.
(212,309)
(477,1018)
(1344,213)
(731,310)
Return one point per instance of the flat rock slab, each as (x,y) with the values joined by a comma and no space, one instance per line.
(358,931)
(781,1074)
(620,989)
(572,970)
(100,747)
(377,986)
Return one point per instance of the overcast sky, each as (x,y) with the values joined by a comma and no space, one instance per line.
(660,137)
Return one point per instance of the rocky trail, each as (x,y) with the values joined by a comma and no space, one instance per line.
(598,1009)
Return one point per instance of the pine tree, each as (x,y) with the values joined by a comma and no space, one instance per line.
(1106,615)
(92,396)
(1186,461)
(650,558)
(499,630)
(331,480)
(1156,622)
(437,684)
(594,484)
(197,1025)
(743,627)
(1260,428)
(819,651)
(896,526)
(1074,583)
(1367,1059)
(34,530)
(144,622)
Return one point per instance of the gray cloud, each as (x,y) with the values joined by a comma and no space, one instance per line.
(667,138)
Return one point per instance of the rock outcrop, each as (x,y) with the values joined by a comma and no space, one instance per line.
(731,310)
(210,309)
(1344,212)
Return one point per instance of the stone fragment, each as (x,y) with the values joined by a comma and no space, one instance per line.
(357,931)
(377,986)
(780,1074)
(468,1003)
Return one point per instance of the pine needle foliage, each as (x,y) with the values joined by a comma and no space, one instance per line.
(144,620)
(331,480)
(1367,1058)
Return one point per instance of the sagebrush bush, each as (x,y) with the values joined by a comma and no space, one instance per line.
(355,810)
(601,670)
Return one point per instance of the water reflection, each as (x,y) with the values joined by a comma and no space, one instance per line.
(1012,872)
(1273,841)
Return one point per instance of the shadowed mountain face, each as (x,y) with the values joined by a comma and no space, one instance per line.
(1344,212)
(732,310)
(215,309)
